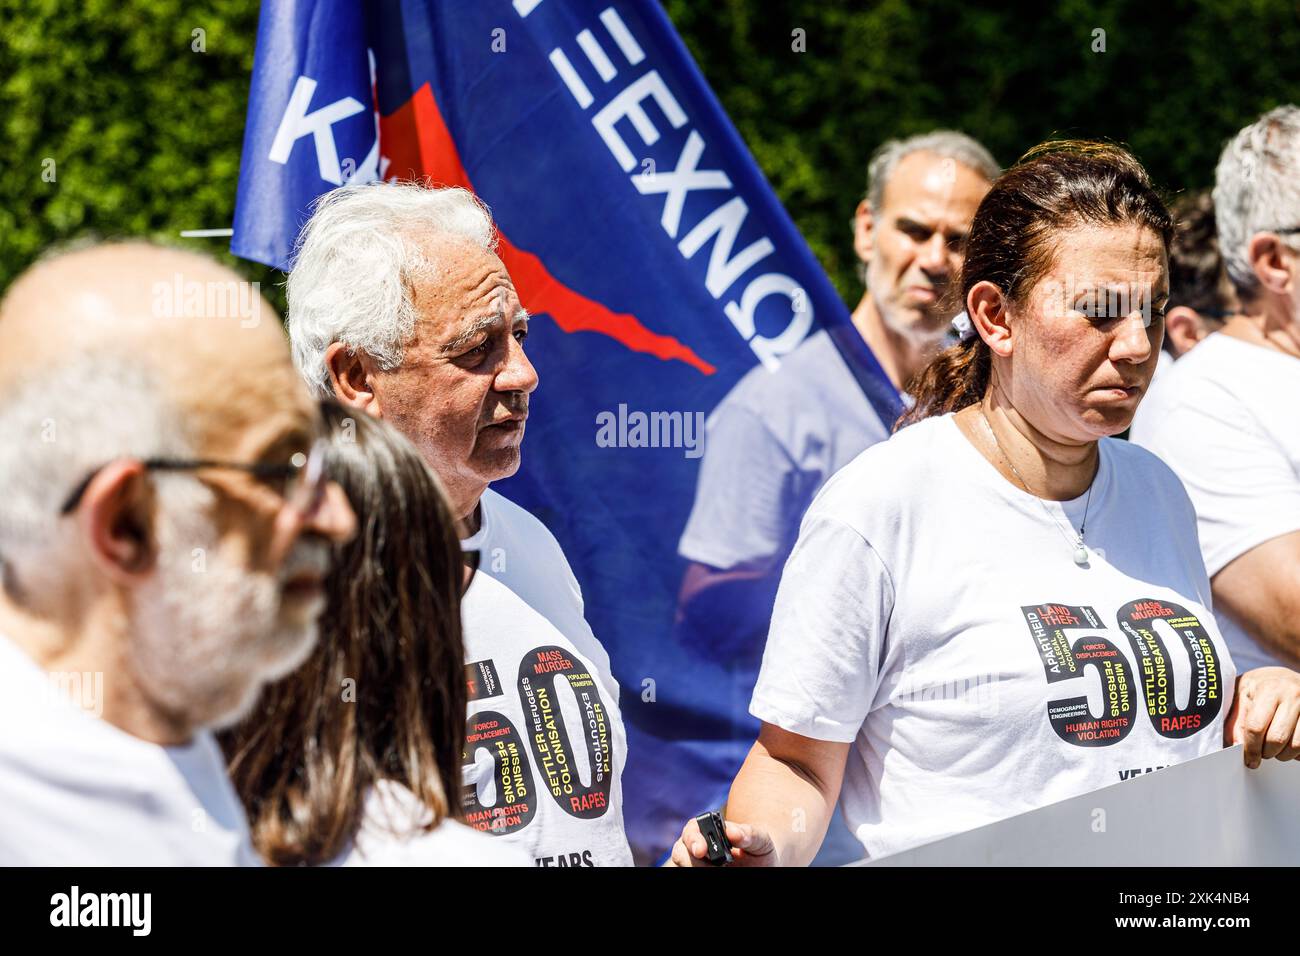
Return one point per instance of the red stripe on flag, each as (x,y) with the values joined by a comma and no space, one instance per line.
(416,142)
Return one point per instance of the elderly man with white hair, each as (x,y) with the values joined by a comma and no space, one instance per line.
(165,529)
(1227,420)
(400,308)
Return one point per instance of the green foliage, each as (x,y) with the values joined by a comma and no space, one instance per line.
(146,133)
(1174,82)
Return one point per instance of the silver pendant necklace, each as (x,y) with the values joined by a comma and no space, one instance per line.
(1080,549)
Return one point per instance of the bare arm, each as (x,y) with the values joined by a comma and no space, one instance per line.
(1260,590)
(780,803)
(724,613)
(702,577)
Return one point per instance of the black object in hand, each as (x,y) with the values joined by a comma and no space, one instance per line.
(715,837)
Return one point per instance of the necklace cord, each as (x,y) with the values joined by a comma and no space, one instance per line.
(1087,502)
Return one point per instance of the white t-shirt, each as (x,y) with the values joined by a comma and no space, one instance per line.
(77,791)
(1164,362)
(931,614)
(1227,420)
(389,836)
(545,746)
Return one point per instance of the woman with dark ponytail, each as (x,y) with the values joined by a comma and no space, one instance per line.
(1003,606)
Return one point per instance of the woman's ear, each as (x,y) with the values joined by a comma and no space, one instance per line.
(116,519)
(986,308)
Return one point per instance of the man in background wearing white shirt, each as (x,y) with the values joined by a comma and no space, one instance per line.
(163,539)
(399,307)
(1233,436)
(780,434)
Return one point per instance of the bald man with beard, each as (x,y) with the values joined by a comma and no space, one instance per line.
(165,528)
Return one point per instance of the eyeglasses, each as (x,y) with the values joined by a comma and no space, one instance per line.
(304,476)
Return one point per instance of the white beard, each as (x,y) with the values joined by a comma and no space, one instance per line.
(919,338)
(208,634)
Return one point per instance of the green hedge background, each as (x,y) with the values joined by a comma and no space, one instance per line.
(145,133)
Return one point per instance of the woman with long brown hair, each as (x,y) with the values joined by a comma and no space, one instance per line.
(1003,606)
(355,758)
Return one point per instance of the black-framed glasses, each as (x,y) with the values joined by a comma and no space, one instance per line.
(304,476)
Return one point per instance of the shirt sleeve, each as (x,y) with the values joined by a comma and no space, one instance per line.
(742,511)
(1241,483)
(821,666)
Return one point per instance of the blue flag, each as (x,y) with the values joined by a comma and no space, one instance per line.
(658,262)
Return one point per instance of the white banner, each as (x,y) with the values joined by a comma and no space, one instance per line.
(1211,811)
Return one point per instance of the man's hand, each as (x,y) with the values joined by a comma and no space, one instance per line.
(1265,715)
(750,846)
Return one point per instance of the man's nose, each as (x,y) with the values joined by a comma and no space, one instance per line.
(517,374)
(333,517)
(933,255)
